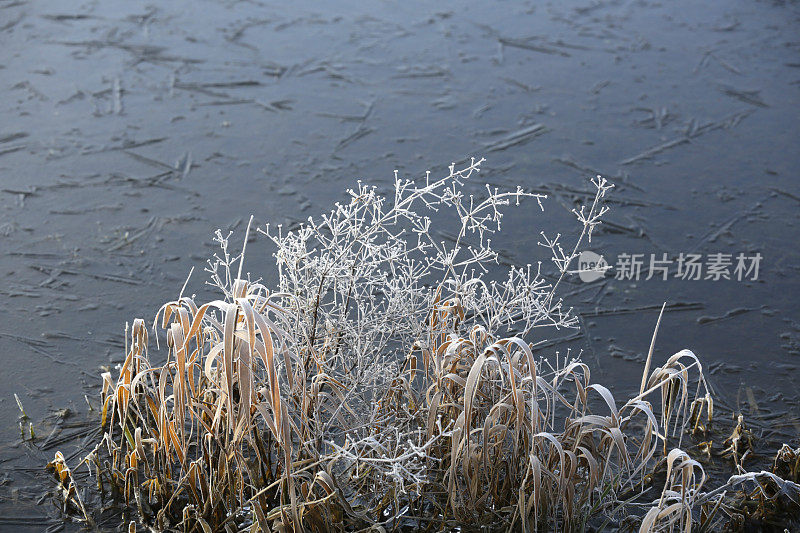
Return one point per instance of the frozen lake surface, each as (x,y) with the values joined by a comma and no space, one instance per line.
(132,130)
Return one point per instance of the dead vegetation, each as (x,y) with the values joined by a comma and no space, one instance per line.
(390,384)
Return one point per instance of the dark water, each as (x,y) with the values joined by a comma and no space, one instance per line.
(131,131)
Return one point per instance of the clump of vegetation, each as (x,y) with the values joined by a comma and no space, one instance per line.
(390,383)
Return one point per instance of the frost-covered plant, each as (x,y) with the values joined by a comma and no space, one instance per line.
(390,379)
(364,278)
(365,275)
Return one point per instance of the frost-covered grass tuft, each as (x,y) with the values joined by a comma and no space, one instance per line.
(390,381)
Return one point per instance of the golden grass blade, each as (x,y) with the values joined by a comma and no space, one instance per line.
(228,339)
(646,371)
